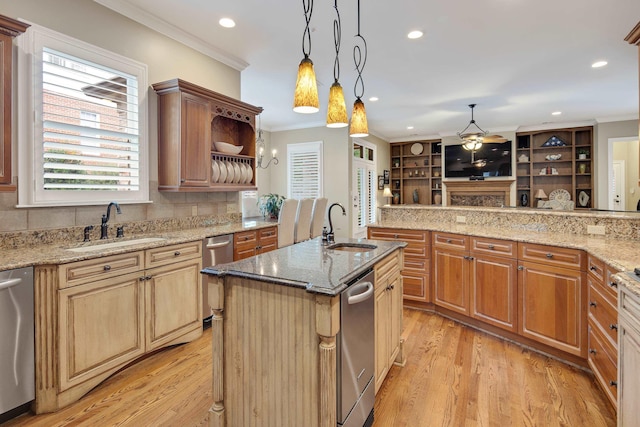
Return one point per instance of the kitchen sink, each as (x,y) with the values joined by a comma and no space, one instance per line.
(352,247)
(111,245)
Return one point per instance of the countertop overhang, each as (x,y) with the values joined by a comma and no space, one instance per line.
(310,265)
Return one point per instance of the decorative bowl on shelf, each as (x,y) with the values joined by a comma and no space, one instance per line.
(227,148)
(552,157)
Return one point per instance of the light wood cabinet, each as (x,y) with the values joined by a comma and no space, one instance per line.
(451,271)
(628,358)
(9,28)
(253,242)
(552,299)
(417,266)
(417,166)
(388,316)
(572,171)
(112,310)
(190,119)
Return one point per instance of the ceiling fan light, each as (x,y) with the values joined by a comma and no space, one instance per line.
(305,98)
(472,145)
(337,109)
(359,127)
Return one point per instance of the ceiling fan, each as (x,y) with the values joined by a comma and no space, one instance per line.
(473,139)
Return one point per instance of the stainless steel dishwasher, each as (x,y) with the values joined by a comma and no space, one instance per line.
(17,366)
(215,250)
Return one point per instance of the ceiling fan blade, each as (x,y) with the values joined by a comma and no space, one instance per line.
(494,138)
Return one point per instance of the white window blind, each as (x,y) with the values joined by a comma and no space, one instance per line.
(89,131)
(365,186)
(80,153)
(304,170)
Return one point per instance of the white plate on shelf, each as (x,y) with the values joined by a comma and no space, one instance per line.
(215,171)
(223,171)
(230,172)
(416,149)
(250,173)
(245,173)
(237,173)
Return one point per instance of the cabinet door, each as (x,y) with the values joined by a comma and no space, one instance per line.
(195,160)
(451,280)
(629,380)
(395,319)
(101,327)
(5,109)
(382,331)
(173,300)
(551,307)
(494,291)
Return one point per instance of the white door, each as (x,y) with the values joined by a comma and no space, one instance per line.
(364,191)
(617,202)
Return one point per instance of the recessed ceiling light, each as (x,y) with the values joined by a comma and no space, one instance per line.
(416,34)
(227,22)
(409,127)
(599,64)
(556,113)
(373,99)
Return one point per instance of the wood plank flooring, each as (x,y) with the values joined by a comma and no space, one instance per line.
(454,376)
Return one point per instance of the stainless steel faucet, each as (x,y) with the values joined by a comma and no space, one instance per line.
(105,219)
(330,236)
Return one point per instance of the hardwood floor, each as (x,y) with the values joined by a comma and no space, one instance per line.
(454,376)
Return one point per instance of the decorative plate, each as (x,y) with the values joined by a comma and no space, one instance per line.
(223,171)
(560,194)
(416,149)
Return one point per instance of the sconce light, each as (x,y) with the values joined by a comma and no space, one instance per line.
(260,148)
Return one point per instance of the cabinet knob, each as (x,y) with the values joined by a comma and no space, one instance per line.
(148,277)
(549,255)
(106,267)
(613,383)
(593,268)
(448,240)
(593,304)
(491,247)
(613,284)
(520,268)
(176,253)
(592,351)
(613,327)
(395,236)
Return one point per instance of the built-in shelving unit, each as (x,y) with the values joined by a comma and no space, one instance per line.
(538,168)
(416,165)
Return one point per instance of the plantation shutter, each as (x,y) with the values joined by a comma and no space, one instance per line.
(90,125)
(305,170)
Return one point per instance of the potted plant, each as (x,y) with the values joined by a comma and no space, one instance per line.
(270,204)
(583,153)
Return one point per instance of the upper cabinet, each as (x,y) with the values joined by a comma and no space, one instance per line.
(416,172)
(9,28)
(191,119)
(559,162)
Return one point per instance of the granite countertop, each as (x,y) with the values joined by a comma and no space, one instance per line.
(309,265)
(59,253)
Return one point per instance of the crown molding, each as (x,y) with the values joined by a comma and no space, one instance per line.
(134,13)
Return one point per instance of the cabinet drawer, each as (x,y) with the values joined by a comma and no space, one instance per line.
(603,362)
(417,264)
(415,286)
(100,268)
(169,254)
(417,240)
(450,241)
(629,307)
(595,267)
(493,246)
(610,287)
(551,255)
(602,312)
(245,238)
(268,233)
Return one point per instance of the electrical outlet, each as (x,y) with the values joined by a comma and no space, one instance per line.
(231,208)
(194,210)
(461,219)
(596,229)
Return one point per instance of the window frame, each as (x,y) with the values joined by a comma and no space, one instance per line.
(30,119)
(315,147)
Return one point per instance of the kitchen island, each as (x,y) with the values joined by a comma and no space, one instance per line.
(276,318)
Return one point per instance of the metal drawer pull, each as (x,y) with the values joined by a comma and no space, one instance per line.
(593,268)
(592,351)
(106,267)
(593,304)
(491,247)
(613,284)
(549,255)
(448,240)
(613,383)
(395,236)
(613,327)
(177,253)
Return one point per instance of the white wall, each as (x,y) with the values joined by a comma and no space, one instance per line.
(628,151)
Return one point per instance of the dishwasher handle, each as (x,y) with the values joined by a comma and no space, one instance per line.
(354,296)
(218,245)
(6,284)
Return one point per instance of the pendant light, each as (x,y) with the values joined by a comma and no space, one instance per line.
(305,99)
(359,127)
(337,108)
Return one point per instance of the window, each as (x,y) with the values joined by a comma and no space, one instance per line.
(89,130)
(365,187)
(304,174)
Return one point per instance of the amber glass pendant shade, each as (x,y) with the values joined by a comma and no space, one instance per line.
(337,109)
(359,127)
(305,98)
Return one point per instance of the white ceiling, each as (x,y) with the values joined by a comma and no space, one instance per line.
(519,60)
